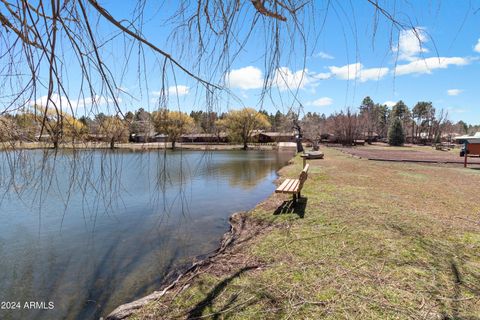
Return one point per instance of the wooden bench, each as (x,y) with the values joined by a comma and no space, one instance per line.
(294,186)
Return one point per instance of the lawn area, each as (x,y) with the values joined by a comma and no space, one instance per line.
(377,240)
(410,154)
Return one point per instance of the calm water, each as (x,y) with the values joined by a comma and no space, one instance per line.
(90,230)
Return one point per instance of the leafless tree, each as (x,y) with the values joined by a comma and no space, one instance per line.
(347,126)
(314,126)
(440,125)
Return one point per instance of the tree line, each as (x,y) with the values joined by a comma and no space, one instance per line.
(60,127)
(420,124)
(371,121)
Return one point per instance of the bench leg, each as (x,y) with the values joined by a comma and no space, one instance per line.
(296,196)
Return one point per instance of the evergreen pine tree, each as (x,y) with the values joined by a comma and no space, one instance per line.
(396,136)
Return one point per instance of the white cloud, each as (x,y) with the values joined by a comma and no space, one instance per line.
(389,103)
(410,44)
(357,71)
(454,92)
(322,76)
(323,55)
(322,102)
(178,90)
(347,72)
(372,74)
(285,79)
(477,46)
(245,78)
(55,100)
(429,64)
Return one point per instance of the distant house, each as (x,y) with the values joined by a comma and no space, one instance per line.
(158,137)
(268,137)
(136,138)
(144,138)
(422,137)
(44,137)
(204,138)
(96,137)
(329,137)
(359,142)
(139,138)
(372,136)
(449,137)
(475,138)
(142,131)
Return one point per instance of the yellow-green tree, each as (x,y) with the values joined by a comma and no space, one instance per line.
(27,126)
(114,129)
(57,124)
(240,124)
(8,129)
(173,123)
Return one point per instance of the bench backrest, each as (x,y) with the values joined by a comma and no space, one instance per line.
(303,176)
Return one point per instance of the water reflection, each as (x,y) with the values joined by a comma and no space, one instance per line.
(90,230)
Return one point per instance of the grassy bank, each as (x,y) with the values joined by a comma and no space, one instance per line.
(370,240)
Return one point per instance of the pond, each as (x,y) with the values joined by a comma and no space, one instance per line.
(84,231)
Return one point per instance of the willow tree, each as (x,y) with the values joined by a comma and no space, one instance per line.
(114,129)
(57,125)
(174,124)
(241,124)
(66,53)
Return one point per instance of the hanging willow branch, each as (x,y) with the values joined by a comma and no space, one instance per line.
(44,41)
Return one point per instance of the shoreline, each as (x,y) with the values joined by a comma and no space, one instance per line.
(237,221)
(242,226)
(140,146)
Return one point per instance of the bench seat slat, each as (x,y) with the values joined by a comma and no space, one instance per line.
(282,186)
(289,185)
(294,186)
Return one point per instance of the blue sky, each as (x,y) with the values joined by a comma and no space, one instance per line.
(346,60)
(443,67)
